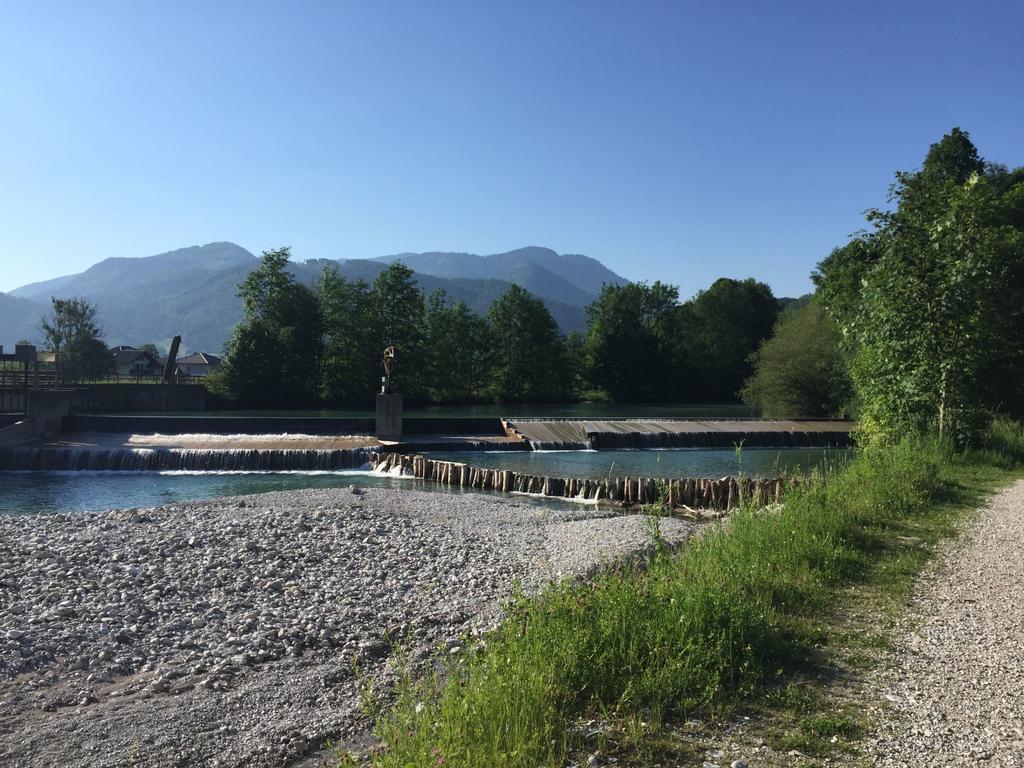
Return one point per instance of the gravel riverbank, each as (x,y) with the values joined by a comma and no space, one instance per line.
(958,684)
(228,632)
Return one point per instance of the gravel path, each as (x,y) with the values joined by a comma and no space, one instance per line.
(228,632)
(959,682)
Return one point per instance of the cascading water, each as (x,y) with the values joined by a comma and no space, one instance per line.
(560,445)
(183,459)
(552,435)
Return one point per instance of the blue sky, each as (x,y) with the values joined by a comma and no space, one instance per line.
(673,141)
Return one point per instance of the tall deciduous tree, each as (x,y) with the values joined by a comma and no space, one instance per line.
(932,316)
(529,356)
(800,370)
(457,350)
(628,345)
(351,358)
(273,355)
(73,332)
(718,330)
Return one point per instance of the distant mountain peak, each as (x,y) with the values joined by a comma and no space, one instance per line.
(192,291)
(585,275)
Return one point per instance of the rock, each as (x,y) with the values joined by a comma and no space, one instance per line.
(14,634)
(373,649)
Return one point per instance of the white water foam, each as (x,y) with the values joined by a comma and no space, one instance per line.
(158,439)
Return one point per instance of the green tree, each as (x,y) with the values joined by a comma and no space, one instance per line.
(73,332)
(926,336)
(399,316)
(800,370)
(530,362)
(936,308)
(457,350)
(273,355)
(839,280)
(350,371)
(627,342)
(717,331)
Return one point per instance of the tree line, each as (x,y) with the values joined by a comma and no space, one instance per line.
(301,344)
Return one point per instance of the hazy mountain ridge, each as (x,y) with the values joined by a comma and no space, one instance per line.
(192,291)
(569,278)
(19,319)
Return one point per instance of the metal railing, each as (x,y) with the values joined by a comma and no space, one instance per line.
(54,379)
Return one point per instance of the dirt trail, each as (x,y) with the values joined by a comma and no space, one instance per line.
(959,678)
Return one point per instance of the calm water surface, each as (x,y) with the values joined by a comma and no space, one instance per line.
(44,492)
(753,462)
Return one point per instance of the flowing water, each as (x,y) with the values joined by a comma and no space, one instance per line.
(141,459)
(24,492)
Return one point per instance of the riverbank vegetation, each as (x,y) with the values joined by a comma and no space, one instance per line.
(721,624)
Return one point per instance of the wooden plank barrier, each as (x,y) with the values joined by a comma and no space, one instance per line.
(720,494)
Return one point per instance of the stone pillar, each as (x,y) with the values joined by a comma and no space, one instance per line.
(389,417)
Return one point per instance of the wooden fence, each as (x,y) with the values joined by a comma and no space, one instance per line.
(699,493)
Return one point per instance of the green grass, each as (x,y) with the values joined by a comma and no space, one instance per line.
(724,622)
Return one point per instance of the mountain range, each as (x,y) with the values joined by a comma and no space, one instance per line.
(192,291)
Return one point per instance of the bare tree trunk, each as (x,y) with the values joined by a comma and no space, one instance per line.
(942,405)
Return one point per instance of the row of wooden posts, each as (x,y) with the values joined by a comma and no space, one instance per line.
(699,493)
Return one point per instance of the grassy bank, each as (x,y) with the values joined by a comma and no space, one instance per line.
(724,622)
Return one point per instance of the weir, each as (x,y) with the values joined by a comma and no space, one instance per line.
(611,434)
(702,493)
(182,459)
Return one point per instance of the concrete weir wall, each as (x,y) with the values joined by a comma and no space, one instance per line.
(638,434)
(126,398)
(47,409)
(269,425)
(700,493)
(216,425)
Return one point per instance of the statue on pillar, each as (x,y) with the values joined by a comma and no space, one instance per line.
(389,367)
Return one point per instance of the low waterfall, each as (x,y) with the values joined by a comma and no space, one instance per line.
(182,459)
(560,445)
